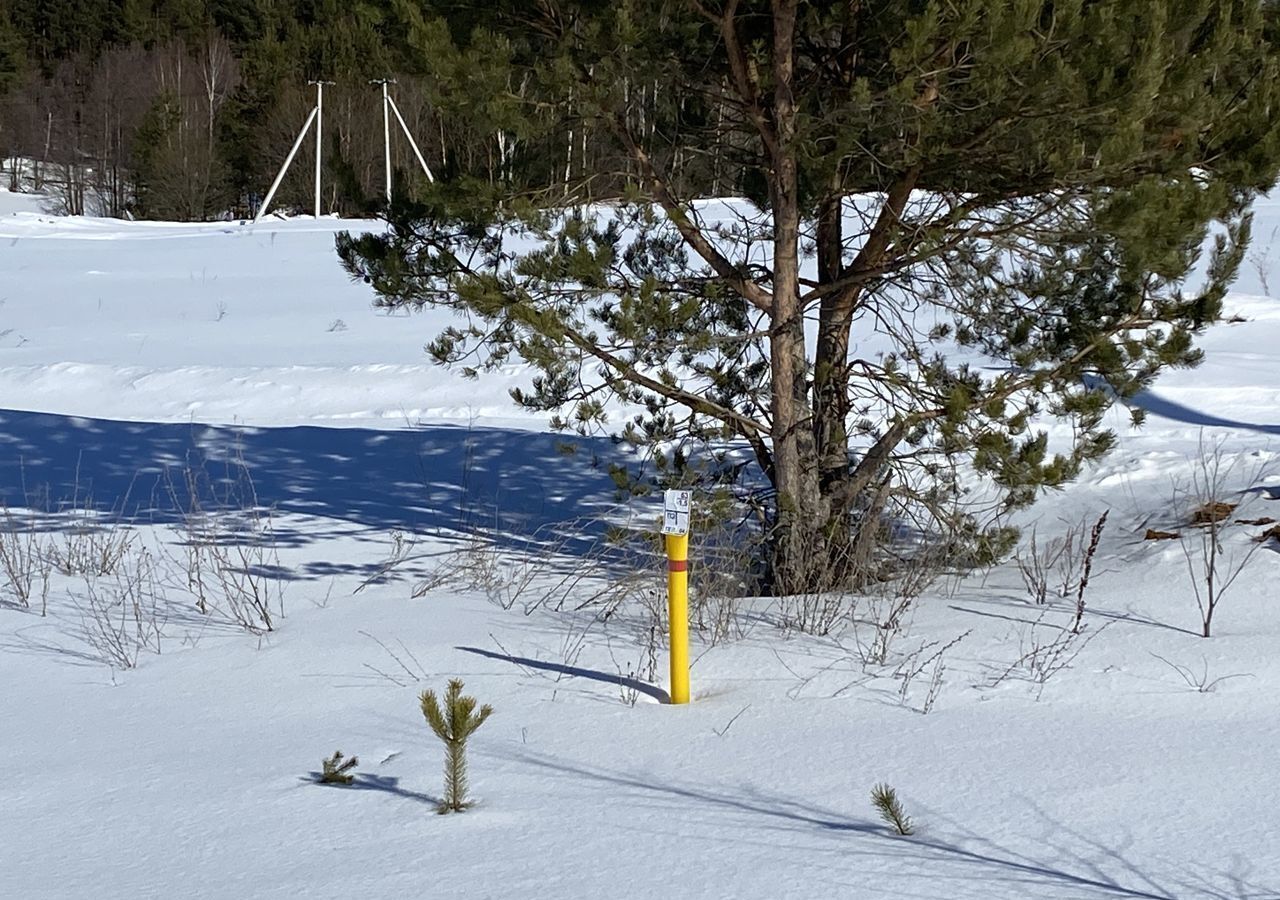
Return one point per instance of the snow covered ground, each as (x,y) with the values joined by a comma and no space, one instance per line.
(132,354)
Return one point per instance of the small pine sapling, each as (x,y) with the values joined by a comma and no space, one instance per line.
(885,799)
(453,724)
(336,770)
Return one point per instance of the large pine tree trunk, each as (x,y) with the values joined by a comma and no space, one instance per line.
(799,541)
(831,367)
(853,493)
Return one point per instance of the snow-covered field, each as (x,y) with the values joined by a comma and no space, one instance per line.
(1046,765)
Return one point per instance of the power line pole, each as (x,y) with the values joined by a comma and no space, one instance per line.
(288,161)
(317,112)
(386,132)
(412,143)
(389,109)
(319,125)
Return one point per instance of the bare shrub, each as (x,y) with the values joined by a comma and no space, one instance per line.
(230,559)
(645,668)
(1214,560)
(230,566)
(888,618)
(1260,260)
(883,604)
(503,574)
(123,612)
(722,563)
(883,614)
(722,571)
(813,612)
(1055,568)
(1046,649)
(545,570)
(91,545)
(24,564)
(402,546)
(1199,681)
(930,658)
(1038,563)
(409,672)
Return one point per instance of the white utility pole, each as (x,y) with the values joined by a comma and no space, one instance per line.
(386,132)
(388,109)
(319,125)
(412,143)
(317,113)
(262,210)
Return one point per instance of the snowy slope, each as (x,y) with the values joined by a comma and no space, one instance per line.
(128,349)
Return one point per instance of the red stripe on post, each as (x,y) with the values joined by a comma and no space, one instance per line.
(677,565)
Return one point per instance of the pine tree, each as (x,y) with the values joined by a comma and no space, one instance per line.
(964,219)
(336,770)
(453,724)
(885,800)
(12,52)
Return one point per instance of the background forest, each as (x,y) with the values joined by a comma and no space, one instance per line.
(184,109)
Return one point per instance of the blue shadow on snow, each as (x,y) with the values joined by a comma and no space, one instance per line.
(444,477)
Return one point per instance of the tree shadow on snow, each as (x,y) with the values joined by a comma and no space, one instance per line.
(384,784)
(434,478)
(1020,613)
(1177,412)
(1072,864)
(635,684)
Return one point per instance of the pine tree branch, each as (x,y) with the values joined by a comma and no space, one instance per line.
(835,316)
(844,492)
(692,234)
(904,256)
(741,73)
(890,217)
(746,427)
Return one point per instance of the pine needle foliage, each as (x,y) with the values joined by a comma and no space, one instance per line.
(1060,190)
(337,770)
(454,721)
(885,799)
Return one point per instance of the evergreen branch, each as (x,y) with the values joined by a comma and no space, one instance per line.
(858,274)
(742,74)
(692,234)
(885,799)
(847,489)
(746,427)
(336,770)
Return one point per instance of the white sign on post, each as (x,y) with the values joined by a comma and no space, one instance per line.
(675,512)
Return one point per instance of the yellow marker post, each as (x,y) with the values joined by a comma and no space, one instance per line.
(678,610)
(676,509)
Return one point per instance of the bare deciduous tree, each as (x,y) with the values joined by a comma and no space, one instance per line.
(1214,551)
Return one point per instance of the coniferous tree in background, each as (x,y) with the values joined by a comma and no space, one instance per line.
(453,722)
(13,58)
(227,80)
(1023,185)
(963,217)
(13,64)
